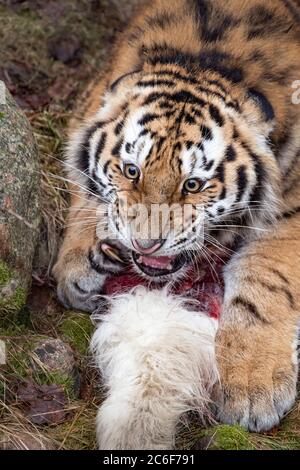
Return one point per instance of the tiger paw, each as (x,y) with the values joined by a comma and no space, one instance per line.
(81,274)
(258,379)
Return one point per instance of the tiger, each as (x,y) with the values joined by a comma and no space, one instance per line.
(198,106)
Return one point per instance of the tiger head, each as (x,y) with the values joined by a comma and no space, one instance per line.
(164,137)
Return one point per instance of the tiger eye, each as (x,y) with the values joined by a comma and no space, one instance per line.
(131,171)
(193,185)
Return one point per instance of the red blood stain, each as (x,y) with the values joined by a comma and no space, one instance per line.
(203,285)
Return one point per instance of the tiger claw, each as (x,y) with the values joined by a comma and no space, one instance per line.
(111,253)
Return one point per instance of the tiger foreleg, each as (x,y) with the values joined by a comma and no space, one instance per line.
(258,335)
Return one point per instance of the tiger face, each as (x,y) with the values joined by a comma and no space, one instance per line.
(167,139)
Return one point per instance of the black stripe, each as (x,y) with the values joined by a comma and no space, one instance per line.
(223,194)
(218,61)
(162,20)
(105,168)
(160,143)
(82,156)
(209,165)
(116,150)
(189,144)
(209,91)
(178,76)
(197,113)
(153,83)
(217,84)
(202,9)
(101,144)
(93,184)
(178,147)
(119,127)
(220,172)
(242,182)
(230,154)
(274,289)
(261,175)
(149,117)
(263,23)
(250,307)
(166,105)
(128,147)
(279,274)
(164,55)
(194,81)
(206,10)
(216,115)
(189,119)
(291,213)
(210,59)
(219,30)
(182,96)
(206,133)
(284,291)
(143,133)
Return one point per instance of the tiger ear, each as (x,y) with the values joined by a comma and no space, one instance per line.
(265,109)
(117,94)
(120,79)
(263,103)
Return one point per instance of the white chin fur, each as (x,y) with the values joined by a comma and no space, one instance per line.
(157,362)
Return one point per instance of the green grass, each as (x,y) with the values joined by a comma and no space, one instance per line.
(77,329)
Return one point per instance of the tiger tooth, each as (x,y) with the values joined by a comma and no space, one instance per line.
(111,253)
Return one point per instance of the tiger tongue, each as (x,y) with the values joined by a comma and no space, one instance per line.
(159,262)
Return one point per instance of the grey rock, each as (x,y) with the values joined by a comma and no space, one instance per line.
(19,203)
(53,355)
(56,359)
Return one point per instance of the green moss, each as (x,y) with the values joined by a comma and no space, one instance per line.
(77,330)
(15,302)
(2,115)
(17,299)
(226,437)
(5,274)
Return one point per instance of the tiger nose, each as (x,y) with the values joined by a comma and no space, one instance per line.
(147,247)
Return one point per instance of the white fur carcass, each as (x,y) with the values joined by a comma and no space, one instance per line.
(157,362)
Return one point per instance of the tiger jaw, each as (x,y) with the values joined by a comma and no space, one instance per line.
(158,266)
